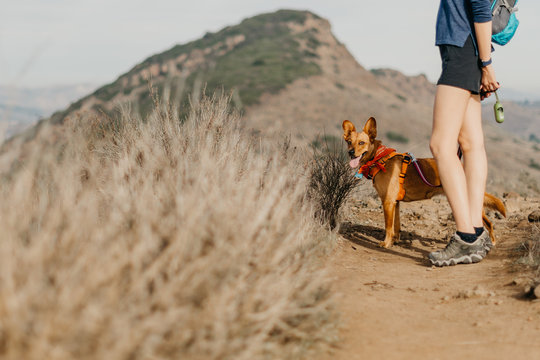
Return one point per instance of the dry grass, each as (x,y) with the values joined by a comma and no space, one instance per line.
(159,239)
(331,181)
(531,253)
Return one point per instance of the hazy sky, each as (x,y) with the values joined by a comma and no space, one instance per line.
(50,42)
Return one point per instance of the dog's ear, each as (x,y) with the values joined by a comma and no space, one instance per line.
(371,128)
(348,128)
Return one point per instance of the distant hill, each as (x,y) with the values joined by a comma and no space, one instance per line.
(260,55)
(290,75)
(522,120)
(21,108)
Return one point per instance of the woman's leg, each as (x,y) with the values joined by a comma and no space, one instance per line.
(449,113)
(471,140)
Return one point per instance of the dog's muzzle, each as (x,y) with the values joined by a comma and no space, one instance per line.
(355,162)
(351,153)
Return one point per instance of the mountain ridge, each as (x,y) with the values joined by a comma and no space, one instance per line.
(289,74)
(264,43)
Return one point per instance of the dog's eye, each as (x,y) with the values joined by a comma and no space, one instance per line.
(361,143)
(349,143)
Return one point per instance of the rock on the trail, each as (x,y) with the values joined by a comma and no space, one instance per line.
(534,216)
(478,291)
(532,291)
(513,206)
(523,224)
(511,195)
(373,203)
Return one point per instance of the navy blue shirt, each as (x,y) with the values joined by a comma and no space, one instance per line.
(456,18)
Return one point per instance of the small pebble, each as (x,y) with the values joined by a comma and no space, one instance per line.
(534,216)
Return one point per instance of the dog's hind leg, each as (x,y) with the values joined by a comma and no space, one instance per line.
(389,209)
(489,226)
(396,223)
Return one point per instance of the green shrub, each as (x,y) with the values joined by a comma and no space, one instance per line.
(397,137)
(534,165)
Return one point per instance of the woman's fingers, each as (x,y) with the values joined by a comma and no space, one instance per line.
(489,81)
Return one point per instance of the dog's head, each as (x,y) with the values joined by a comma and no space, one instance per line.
(360,144)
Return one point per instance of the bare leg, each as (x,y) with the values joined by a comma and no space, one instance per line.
(471,139)
(449,111)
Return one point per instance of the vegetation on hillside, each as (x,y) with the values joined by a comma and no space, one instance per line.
(257,27)
(269,58)
(131,239)
(397,137)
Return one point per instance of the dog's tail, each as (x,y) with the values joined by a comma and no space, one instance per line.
(494,203)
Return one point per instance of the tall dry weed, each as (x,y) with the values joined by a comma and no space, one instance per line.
(530,250)
(159,239)
(331,181)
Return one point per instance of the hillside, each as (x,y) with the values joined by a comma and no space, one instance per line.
(290,75)
(523,120)
(260,55)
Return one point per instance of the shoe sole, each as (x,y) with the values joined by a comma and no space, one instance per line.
(488,245)
(465,259)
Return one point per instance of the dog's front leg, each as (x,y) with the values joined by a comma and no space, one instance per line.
(389,208)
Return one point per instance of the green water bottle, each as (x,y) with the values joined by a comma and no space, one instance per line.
(498,109)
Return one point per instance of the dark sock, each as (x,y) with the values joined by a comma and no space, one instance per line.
(468,238)
(479,230)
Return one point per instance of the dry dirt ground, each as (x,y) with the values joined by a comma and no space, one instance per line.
(395,305)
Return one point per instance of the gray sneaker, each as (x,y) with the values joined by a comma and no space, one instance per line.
(459,252)
(486,239)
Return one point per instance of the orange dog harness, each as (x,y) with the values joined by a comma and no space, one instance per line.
(383,154)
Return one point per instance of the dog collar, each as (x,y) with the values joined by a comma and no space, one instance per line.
(372,167)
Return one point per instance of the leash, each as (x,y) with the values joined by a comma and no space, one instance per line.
(419,170)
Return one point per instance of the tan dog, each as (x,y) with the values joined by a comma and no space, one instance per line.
(363,147)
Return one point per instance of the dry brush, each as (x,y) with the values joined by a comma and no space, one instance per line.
(159,239)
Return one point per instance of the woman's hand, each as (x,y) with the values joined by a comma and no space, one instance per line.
(483,36)
(489,82)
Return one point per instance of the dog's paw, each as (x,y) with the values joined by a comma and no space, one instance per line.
(385,244)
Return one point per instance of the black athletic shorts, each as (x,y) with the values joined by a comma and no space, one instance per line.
(460,67)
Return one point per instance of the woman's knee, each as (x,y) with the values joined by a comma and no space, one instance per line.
(440,148)
(471,144)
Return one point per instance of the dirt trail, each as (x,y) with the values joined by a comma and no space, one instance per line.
(394,305)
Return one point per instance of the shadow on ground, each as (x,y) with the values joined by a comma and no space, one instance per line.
(370,237)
